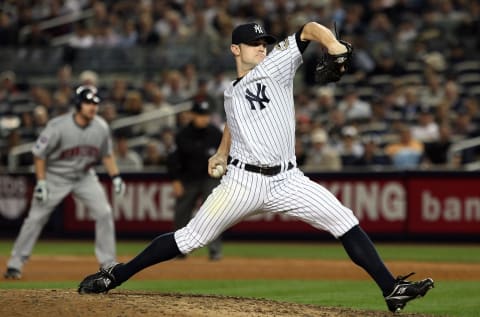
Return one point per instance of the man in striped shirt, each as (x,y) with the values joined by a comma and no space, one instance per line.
(258,146)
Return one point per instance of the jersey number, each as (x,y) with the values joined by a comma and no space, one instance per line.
(259,97)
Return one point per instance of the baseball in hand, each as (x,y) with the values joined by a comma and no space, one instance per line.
(217,171)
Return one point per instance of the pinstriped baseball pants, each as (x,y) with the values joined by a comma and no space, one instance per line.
(242,194)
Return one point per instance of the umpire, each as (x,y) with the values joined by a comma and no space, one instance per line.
(188,167)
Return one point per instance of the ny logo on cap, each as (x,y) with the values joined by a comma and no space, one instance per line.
(258,29)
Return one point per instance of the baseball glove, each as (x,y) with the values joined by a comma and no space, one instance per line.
(332,67)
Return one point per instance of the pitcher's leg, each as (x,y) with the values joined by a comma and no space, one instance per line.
(214,247)
(316,205)
(239,195)
(304,199)
(361,250)
(162,248)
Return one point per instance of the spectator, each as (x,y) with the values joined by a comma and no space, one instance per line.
(452,97)
(406,152)
(167,142)
(60,103)
(408,104)
(106,36)
(108,111)
(426,129)
(191,79)
(133,104)
(303,130)
(463,126)
(42,96)
(88,78)
(8,85)
(146,33)
(321,156)
(373,155)
(204,38)
(173,88)
(336,122)
(64,81)
(8,31)
(300,152)
(159,105)
(380,120)
(126,159)
(436,152)
(129,34)
(349,149)
(152,156)
(386,63)
(82,38)
(354,107)
(433,93)
(325,101)
(118,93)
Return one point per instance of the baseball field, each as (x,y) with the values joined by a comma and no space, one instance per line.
(253,279)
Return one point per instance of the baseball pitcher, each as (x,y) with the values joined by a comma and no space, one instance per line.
(64,156)
(258,146)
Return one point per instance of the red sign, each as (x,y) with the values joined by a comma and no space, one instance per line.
(393,203)
(147,206)
(446,206)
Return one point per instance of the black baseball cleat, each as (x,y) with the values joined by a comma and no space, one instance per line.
(100,282)
(404,291)
(12,274)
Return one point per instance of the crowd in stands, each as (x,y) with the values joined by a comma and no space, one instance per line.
(411,92)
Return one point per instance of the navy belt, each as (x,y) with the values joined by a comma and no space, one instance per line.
(264,170)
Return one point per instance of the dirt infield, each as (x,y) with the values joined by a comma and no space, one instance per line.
(43,303)
(49,303)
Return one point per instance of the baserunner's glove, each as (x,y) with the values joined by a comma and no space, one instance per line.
(40,191)
(118,185)
(332,67)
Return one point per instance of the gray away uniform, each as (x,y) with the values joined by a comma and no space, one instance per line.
(70,152)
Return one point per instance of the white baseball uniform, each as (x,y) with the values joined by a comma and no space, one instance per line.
(261,118)
(70,152)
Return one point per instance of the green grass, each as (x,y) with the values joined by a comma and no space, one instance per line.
(460,253)
(448,298)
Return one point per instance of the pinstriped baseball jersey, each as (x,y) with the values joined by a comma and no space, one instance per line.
(71,150)
(260,108)
(260,117)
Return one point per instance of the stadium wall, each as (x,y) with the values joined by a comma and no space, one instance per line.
(433,205)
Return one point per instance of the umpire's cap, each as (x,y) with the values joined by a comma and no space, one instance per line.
(202,107)
(251,32)
(86,94)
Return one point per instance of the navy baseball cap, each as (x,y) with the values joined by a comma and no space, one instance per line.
(201,107)
(251,32)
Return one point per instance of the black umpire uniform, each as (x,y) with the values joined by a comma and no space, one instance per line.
(188,167)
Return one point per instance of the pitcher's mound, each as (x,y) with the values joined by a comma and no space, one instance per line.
(48,303)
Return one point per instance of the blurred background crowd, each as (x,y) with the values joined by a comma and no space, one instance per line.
(409,100)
